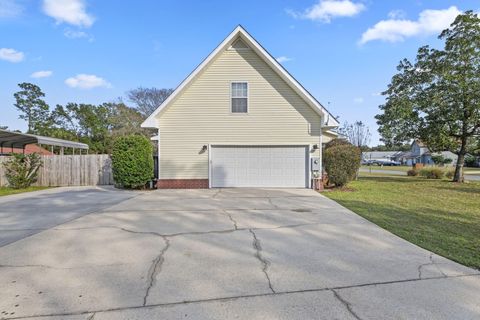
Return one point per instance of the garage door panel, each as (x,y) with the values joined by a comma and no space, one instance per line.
(259,166)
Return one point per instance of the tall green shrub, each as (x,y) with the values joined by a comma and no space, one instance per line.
(342,162)
(132,161)
(21,170)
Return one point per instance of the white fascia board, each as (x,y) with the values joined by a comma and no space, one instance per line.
(239,31)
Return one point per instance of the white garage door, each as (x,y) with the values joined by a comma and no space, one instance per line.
(259,166)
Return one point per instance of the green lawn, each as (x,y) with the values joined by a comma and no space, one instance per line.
(4,191)
(466,170)
(391,168)
(438,215)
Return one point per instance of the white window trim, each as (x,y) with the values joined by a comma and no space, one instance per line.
(248,97)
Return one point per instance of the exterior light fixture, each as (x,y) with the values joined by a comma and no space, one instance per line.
(315,147)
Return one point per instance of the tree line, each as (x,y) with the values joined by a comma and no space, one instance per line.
(95,125)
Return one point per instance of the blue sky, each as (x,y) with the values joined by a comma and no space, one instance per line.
(343,51)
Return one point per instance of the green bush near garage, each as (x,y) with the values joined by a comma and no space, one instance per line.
(132,161)
(342,161)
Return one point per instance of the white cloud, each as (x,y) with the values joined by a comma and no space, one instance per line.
(395,30)
(397,14)
(72,34)
(358,100)
(326,10)
(11,55)
(87,81)
(69,11)
(41,74)
(76,34)
(282,59)
(10,9)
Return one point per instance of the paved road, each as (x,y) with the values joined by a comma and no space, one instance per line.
(468,177)
(223,254)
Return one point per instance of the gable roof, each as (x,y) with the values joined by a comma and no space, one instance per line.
(420,143)
(240,32)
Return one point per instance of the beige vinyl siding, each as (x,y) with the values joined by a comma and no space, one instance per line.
(201,115)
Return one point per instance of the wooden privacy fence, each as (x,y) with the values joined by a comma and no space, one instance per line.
(70,170)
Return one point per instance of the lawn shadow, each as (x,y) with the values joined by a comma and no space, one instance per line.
(389,179)
(462,188)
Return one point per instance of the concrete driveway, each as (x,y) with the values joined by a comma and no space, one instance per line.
(217,254)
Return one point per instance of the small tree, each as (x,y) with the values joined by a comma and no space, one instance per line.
(438,159)
(147,100)
(342,161)
(357,133)
(34,110)
(132,161)
(22,170)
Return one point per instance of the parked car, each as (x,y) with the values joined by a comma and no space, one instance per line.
(366,162)
(385,162)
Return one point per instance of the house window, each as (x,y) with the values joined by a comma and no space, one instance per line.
(239,97)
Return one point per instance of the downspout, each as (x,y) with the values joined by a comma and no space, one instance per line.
(158,155)
(320,152)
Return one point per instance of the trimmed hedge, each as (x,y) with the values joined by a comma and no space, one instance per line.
(132,161)
(342,161)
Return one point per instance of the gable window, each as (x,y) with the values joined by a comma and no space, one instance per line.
(239,93)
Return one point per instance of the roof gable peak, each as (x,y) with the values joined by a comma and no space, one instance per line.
(240,34)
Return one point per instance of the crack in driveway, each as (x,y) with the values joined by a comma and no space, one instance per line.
(258,254)
(155,269)
(346,304)
(431,263)
(271,203)
(231,219)
(247,296)
(194,232)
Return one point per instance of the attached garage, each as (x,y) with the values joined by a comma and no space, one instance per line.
(259,166)
(240,120)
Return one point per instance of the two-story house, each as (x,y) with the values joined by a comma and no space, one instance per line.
(240,120)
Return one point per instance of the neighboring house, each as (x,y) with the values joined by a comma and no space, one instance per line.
(29,148)
(419,153)
(380,155)
(240,120)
